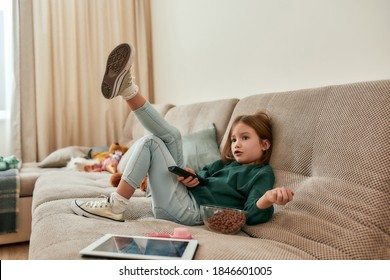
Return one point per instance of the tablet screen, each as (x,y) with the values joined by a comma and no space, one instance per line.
(154,247)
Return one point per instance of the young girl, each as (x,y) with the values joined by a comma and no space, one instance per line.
(241,179)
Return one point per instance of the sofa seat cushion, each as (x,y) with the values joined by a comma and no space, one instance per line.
(73,184)
(330,219)
(60,234)
(29,173)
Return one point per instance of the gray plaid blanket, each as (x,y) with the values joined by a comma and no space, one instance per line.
(9,200)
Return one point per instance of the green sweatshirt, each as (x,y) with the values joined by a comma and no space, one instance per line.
(236,186)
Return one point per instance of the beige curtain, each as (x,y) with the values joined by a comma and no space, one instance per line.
(10,117)
(64,47)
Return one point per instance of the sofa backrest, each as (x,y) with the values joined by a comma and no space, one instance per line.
(332,146)
(198,116)
(340,131)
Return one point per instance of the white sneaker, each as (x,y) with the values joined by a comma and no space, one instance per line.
(98,209)
(117,78)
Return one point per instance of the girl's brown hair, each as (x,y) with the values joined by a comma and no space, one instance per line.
(261,123)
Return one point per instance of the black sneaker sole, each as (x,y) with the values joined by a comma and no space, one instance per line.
(118,64)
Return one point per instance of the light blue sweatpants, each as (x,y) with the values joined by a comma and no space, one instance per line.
(152,156)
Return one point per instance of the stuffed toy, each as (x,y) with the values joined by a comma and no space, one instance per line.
(82,164)
(9,163)
(110,164)
(116,177)
(101,156)
(107,160)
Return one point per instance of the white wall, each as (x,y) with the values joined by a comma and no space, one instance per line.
(211,49)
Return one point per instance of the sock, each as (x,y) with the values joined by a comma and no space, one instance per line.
(130,92)
(118,202)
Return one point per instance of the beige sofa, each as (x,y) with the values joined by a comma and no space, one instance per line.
(331,146)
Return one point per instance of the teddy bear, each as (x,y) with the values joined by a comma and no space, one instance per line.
(107,160)
(101,156)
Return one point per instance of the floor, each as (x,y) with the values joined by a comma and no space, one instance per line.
(17,251)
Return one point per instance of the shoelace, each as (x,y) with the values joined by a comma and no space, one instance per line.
(129,78)
(99,203)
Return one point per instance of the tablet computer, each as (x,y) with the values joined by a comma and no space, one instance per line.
(141,247)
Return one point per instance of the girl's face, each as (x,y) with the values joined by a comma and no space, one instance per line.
(247,147)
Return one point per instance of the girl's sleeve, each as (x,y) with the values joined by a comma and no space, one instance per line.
(262,182)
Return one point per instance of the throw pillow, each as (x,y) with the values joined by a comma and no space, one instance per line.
(60,157)
(201,148)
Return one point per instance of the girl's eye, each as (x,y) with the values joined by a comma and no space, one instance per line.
(233,140)
(245,137)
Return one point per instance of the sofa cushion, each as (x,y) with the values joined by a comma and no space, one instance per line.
(29,173)
(60,157)
(67,184)
(74,233)
(332,146)
(198,116)
(327,131)
(329,219)
(200,148)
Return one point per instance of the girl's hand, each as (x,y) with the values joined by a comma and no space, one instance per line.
(280,196)
(189,181)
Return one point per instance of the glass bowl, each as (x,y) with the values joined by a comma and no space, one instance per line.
(223,219)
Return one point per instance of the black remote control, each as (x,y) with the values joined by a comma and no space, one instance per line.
(181,172)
